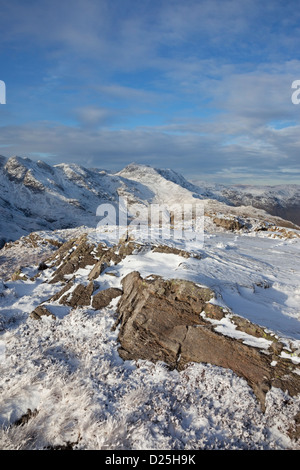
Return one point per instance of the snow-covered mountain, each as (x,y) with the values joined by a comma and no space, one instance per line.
(278,200)
(36,196)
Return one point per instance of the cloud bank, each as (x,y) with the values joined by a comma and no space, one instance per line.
(203,87)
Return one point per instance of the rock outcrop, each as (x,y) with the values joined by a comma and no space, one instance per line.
(41,311)
(230,224)
(80,253)
(70,257)
(167,320)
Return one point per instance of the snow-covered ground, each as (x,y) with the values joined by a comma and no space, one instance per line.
(69,370)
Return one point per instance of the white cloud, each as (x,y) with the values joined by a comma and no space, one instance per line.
(195,155)
(93,116)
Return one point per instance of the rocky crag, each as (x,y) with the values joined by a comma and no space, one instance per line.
(169,321)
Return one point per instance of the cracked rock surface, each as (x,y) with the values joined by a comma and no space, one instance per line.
(160,321)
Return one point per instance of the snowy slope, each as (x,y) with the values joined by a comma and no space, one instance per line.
(281,200)
(36,196)
(85,396)
(163,190)
(169,187)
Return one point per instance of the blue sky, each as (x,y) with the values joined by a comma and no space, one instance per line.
(203,87)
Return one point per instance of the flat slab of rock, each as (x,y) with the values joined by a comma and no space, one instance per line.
(104,297)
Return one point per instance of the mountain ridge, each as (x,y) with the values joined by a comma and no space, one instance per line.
(37,196)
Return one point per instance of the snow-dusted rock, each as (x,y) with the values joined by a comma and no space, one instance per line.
(161,320)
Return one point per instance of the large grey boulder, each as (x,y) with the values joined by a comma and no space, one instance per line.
(159,320)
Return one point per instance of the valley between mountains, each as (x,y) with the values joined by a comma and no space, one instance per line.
(144,338)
